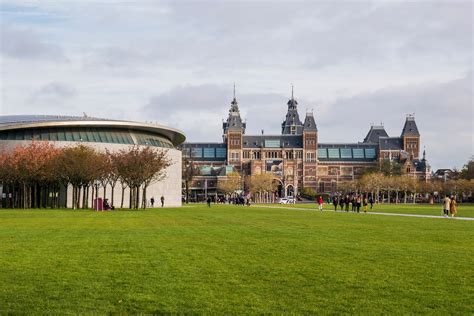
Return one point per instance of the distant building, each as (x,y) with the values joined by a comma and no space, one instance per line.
(445,174)
(296,158)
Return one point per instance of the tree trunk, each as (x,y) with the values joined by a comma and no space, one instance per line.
(144,197)
(112,194)
(123,193)
(186,184)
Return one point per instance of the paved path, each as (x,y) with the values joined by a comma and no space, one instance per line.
(370,213)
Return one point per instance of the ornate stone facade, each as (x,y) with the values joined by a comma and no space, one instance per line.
(297,159)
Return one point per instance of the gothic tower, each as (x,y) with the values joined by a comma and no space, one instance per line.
(234,128)
(310,150)
(292,124)
(411,137)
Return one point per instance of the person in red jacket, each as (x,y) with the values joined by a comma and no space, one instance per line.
(320,203)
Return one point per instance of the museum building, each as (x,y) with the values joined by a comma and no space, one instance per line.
(296,158)
(102,135)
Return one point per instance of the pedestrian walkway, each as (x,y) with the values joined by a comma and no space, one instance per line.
(372,213)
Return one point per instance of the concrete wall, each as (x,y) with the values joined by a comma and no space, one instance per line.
(170,187)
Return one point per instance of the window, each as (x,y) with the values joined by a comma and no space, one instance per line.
(196,152)
(346,153)
(221,152)
(370,153)
(322,153)
(310,157)
(272,143)
(358,153)
(234,156)
(209,153)
(333,152)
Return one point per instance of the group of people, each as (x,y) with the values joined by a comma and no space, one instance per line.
(162,200)
(352,202)
(239,200)
(449,206)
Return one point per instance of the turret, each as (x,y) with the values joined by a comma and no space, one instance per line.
(292,124)
(411,137)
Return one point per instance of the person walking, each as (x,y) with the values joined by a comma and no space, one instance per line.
(453,207)
(335,202)
(152,201)
(320,203)
(365,203)
(446,206)
(209,201)
(341,202)
(162,199)
(358,203)
(347,202)
(371,202)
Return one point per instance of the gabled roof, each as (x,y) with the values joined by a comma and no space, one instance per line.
(410,128)
(309,124)
(374,134)
(390,143)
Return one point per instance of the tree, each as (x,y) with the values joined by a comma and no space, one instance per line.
(230,184)
(262,187)
(189,171)
(80,166)
(138,168)
(467,171)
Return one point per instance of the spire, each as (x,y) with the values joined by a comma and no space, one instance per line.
(234,120)
(292,124)
(424,153)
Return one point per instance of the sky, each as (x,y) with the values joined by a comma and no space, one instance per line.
(352,63)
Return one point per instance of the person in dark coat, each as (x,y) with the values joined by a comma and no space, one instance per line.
(162,201)
(209,201)
(341,202)
(152,201)
(371,202)
(335,202)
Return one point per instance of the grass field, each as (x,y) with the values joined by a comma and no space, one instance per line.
(230,259)
(464,210)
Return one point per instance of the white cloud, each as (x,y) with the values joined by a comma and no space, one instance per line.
(174,62)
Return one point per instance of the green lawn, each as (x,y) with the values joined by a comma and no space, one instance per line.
(230,259)
(464,210)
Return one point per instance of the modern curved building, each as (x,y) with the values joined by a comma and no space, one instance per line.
(100,134)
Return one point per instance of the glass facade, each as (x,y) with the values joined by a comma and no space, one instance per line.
(370,153)
(87,134)
(209,153)
(322,153)
(346,153)
(333,152)
(358,153)
(221,153)
(270,143)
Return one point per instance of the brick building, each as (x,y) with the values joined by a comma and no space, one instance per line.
(296,158)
